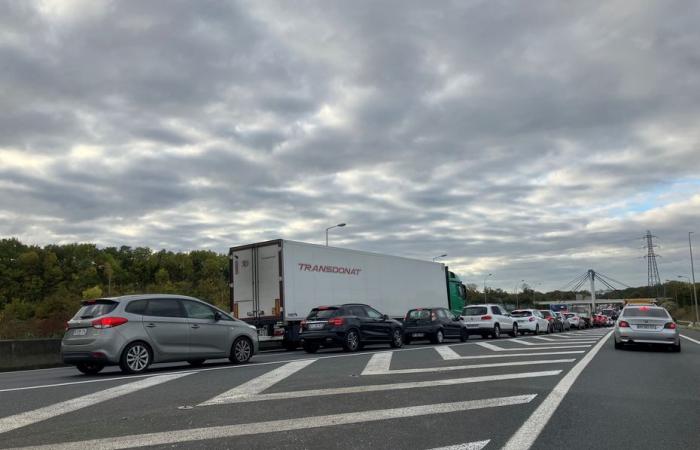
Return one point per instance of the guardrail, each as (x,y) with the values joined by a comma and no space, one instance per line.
(30,354)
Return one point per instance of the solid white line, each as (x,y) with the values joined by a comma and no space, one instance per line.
(301,423)
(388,387)
(526,436)
(30,417)
(519,341)
(259,384)
(473,366)
(518,355)
(478,445)
(690,339)
(495,348)
(378,363)
(542,338)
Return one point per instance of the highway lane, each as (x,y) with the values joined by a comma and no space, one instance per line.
(416,397)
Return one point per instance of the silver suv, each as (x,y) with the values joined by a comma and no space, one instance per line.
(135,331)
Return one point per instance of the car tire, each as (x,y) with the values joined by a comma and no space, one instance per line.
(397,338)
(537,330)
(351,343)
(618,345)
(464,336)
(310,347)
(676,348)
(241,350)
(514,331)
(136,358)
(496,333)
(290,346)
(438,337)
(196,362)
(90,368)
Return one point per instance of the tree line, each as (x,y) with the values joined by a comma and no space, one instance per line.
(42,287)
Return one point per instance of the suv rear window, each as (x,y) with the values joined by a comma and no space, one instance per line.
(646,312)
(521,313)
(322,314)
(545,313)
(418,314)
(474,311)
(95,308)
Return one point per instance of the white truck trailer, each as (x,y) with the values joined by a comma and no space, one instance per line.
(275,284)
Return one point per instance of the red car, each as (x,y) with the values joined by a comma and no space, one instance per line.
(599,320)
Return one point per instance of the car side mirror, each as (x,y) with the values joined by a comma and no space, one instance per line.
(385,317)
(217,316)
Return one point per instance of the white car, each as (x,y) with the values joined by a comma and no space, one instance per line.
(488,320)
(574,320)
(530,320)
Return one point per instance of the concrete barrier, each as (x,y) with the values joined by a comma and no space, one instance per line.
(30,354)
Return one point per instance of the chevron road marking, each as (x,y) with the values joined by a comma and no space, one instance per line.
(496,348)
(448,354)
(478,445)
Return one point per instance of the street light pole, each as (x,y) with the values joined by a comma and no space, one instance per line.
(485,286)
(438,257)
(329,228)
(692,271)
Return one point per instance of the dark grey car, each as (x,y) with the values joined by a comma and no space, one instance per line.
(137,330)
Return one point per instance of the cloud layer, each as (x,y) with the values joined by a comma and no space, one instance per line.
(531,141)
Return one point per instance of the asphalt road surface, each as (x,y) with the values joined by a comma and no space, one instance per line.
(568,390)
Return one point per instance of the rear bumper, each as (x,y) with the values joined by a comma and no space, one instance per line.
(667,337)
(82,357)
(323,337)
(424,330)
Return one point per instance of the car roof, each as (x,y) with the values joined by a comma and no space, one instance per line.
(126,298)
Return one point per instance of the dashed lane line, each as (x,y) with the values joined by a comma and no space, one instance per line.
(37,415)
(301,423)
(383,387)
(528,432)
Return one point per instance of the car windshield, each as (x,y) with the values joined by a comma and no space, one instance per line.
(95,308)
(474,311)
(521,313)
(322,313)
(646,312)
(418,314)
(546,313)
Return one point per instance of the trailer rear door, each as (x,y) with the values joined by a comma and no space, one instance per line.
(256,282)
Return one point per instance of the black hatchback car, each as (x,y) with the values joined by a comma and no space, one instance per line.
(435,324)
(349,326)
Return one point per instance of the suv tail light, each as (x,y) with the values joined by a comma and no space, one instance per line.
(670,326)
(108,322)
(486,317)
(336,321)
(531,319)
(623,324)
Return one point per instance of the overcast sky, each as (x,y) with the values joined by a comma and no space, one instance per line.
(531,140)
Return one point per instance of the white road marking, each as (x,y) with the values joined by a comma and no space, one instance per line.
(473,366)
(302,423)
(378,363)
(496,348)
(528,432)
(30,417)
(385,387)
(452,355)
(259,384)
(478,445)
(542,338)
(519,341)
(572,342)
(690,339)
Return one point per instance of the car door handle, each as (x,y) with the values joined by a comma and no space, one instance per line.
(195,326)
(151,325)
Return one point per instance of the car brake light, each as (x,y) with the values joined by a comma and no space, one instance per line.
(108,322)
(670,326)
(531,319)
(336,322)
(486,317)
(623,324)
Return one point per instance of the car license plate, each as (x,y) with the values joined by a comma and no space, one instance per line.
(417,335)
(80,332)
(315,326)
(647,327)
(472,325)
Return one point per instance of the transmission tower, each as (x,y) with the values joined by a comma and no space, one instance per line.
(653,278)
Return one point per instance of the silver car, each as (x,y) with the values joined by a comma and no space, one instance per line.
(135,331)
(646,325)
